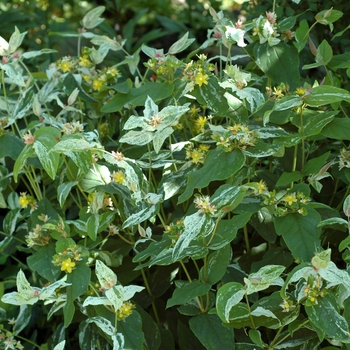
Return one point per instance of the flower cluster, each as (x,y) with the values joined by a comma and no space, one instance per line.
(125,310)
(3,125)
(118,177)
(95,79)
(94,206)
(67,258)
(278,91)
(197,72)
(233,137)
(286,203)
(204,205)
(197,155)
(266,29)
(7,339)
(344,159)
(28,138)
(313,291)
(26,200)
(72,128)
(287,305)
(174,230)
(38,236)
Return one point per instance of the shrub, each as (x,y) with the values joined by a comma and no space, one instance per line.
(186,203)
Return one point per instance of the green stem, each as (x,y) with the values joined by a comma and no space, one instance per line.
(249,310)
(200,306)
(28,341)
(148,288)
(14,237)
(302,140)
(246,238)
(214,231)
(285,337)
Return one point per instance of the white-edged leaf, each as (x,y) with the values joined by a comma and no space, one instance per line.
(129,291)
(60,346)
(105,275)
(96,301)
(116,296)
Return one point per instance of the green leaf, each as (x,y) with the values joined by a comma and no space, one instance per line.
(10,221)
(280,63)
(72,145)
(180,45)
(14,75)
(49,161)
(287,178)
(22,319)
(323,56)
(218,165)
(143,215)
(197,225)
(216,265)
(97,176)
(216,99)
(41,262)
(255,336)
(325,316)
(106,326)
(63,191)
(327,17)
(337,129)
(264,278)
(229,295)
(287,102)
(88,336)
(300,233)
(92,18)
(138,96)
(105,275)
(79,281)
(150,329)
(10,146)
(131,329)
(31,54)
(301,35)
(27,152)
(16,40)
(326,94)
(314,124)
(92,225)
(188,292)
(211,333)
(226,230)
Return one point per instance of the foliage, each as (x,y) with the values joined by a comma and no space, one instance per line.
(179,201)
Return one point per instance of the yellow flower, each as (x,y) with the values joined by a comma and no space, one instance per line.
(97,84)
(118,177)
(65,66)
(200,123)
(112,71)
(290,198)
(197,156)
(201,79)
(125,310)
(67,265)
(300,91)
(86,77)
(204,148)
(261,186)
(84,61)
(23,201)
